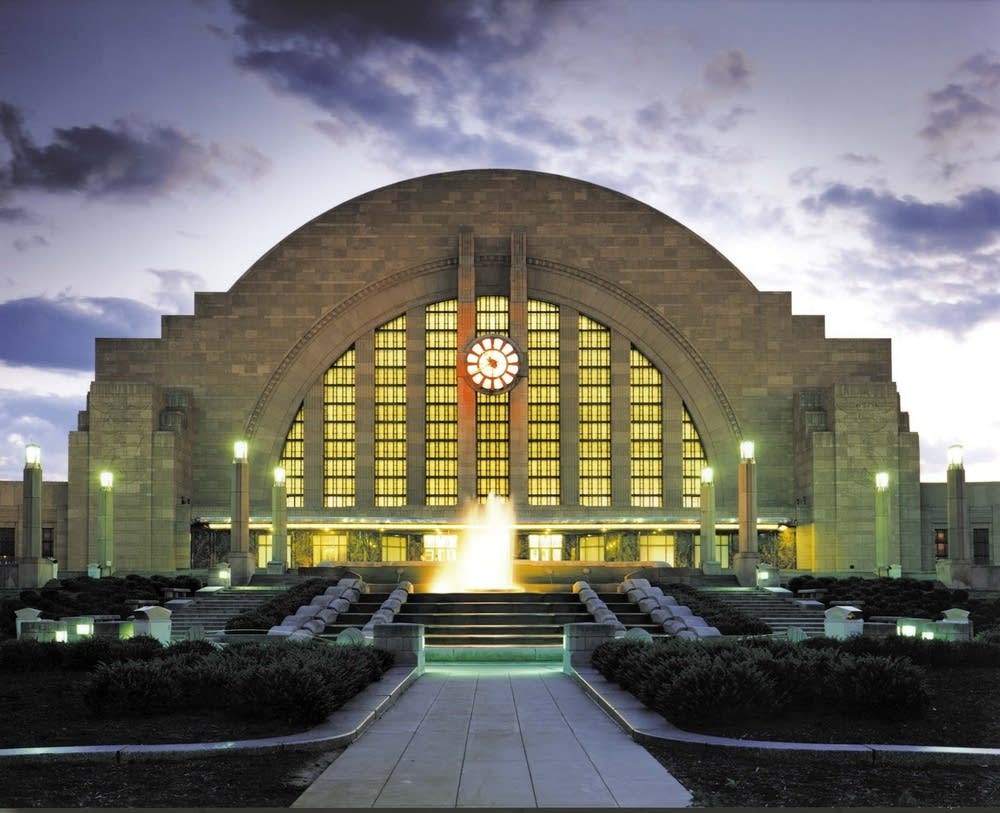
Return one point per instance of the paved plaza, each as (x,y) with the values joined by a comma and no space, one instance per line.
(495,735)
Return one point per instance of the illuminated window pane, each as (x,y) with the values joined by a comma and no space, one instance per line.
(646,428)
(293,457)
(440,548)
(329,549)
(693,460)
(595,412)
(393,548)
(592,548)
(441,403)
(543,404)
(657,548)
(545,547)
(390,413)
(339,432)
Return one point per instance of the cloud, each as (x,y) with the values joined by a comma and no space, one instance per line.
(969,223)
(42,418)
(175,290)
(420,80)
(859,160)
(60,333)
(129,159)
(26,243)
(963,115)
(729,71)
(15,214)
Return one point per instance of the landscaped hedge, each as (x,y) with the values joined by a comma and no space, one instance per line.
(728,620)
(86,596)
(300,682)
(910,598)
(273,612)
(690,682)
(32,656)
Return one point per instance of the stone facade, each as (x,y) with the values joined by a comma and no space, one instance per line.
(824,413)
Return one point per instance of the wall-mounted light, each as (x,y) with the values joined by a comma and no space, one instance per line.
(279,476)
(882,480)
(32,455)
(955,456)
(107,479)
(707,475)
(240,450)
(746,450)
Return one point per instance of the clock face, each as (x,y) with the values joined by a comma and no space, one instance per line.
(492,363)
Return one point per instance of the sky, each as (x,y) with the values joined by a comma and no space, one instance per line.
(847,152)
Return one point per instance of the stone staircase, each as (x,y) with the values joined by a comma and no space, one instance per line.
(493,619)
(774,610)
(211,610)
(630,614)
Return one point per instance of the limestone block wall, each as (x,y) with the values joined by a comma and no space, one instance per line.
(250,356)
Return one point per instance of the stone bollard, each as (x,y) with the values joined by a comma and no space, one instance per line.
(580,641)
(405,641)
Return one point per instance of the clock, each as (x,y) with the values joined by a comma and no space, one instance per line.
(493,363)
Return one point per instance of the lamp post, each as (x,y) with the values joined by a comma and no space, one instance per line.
(106,525)
(882,523)
(279,523)
(747,558)
(240,565)
(709,560)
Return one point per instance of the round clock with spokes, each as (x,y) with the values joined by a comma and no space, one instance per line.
(493,363)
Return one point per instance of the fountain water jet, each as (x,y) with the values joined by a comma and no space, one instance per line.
(485,555)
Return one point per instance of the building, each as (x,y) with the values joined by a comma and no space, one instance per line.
(543,339)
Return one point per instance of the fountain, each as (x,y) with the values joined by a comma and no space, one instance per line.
(485,555)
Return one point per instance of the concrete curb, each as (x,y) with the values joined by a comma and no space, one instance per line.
(341,728)
(645,726)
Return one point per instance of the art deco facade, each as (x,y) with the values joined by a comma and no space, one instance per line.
(628,354)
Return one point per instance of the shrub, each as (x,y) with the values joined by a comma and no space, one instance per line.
(298,682)
(29,656)
(891,688)
(606,656)
(200,648)
(707,689)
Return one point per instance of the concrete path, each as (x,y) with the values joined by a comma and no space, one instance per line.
(495,735)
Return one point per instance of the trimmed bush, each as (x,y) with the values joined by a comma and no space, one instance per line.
(707,689)
(891,688)
(607,655)
(297,682)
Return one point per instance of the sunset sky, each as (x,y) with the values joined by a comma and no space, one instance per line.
(848,152)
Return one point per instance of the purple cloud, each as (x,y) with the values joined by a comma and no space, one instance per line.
(128,159)
(971,222)
(729,71)
(60,333)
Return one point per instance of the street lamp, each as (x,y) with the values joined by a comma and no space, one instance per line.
(106,524)
(32,455)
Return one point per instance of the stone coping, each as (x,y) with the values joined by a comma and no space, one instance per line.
(645,725)
(341,728)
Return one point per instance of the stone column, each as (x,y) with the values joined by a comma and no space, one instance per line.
(32,570)
(747,559)
(106,525)
(241,566)
(882,523)
(279,524)
(956,570)
(709,560)
(958,532)
(466,395)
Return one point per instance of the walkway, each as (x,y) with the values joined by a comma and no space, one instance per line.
(495,735)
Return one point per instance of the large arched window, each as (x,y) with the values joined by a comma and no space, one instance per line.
(413,437)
